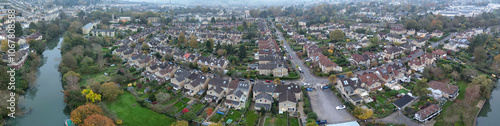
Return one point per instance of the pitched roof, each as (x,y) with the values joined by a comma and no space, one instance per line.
(264,96)
(403,101)
(261,87)
(287,96)
(428,111)
(448,88)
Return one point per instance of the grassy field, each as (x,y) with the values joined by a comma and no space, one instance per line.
(99,77)
(132,114)
(251,118)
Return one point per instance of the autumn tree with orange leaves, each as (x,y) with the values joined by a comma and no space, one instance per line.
(98,120)
(81,113)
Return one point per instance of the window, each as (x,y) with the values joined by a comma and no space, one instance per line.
(210,92)
(260,100)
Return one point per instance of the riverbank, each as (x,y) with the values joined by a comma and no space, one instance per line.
(480,105)
(490,111)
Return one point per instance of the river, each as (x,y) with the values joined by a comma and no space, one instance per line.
(45,101)
(489,115)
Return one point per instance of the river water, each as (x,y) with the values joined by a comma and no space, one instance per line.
(490,114)
(45,102)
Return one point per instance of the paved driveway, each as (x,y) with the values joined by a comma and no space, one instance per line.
(323,102)
(398,118)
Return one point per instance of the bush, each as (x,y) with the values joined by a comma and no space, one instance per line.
(312,115)
(307,110)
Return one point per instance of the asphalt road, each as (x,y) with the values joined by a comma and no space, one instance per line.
(419,53)
(307,76)
(442,40)
(322,101)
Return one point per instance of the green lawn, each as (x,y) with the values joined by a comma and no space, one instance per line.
(172,100)
(294,122)
(251,118)
(216,118)
(276,121)
(402,91)
(233,114)
(197,107)
(132,114)
(180,106)
(462,87)
(185,99)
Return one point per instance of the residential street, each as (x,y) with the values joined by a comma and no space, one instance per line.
(419,53)
(323,102)
(442,40)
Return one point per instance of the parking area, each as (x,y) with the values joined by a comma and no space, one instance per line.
(323,102)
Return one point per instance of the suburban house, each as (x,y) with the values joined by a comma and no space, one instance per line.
(418,42)
(238,94)
(263,100)
(428,113)
(217,88)
(439,53)
(422,33)
(287,102)
(392,52)
(417,64)
(18,60)
(351,90)
(328,65)
(371,81)
(411,32)
(443,90)
(398,30)
(278,70)
(437,33)
(197,85)
(180,77)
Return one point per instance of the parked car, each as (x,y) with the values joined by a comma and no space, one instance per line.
(241,79)
(326,87)
(409,56)
(309,89)
(307,84)
(321,121)
(291,57)
(268,81)
(252,80)
(340,107)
